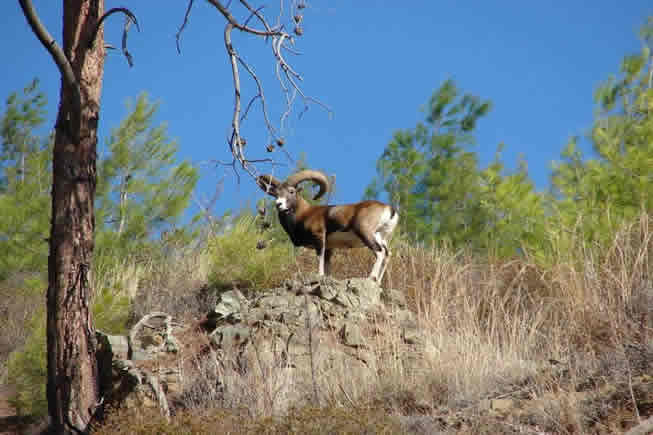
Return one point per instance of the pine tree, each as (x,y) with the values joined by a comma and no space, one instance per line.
(141,188)
(23,114)
(430,174)
(600,193)
(515,212)
(25,171)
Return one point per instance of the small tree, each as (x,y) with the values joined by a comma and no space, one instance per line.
(25,171)
(23,114)
(600,193)
(429,173)
(141,189)
(515,212)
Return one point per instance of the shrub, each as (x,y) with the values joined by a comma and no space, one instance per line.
(28,372)
(27,366)
(236,261)
(20,293)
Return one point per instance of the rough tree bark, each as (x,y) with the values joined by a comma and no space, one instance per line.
(72,389)
(73,392)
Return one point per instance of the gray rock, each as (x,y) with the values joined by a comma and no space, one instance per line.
(311,330)
(502,404)
(231,336)
(115,345)
(351,335)
(366,291)
(230,306)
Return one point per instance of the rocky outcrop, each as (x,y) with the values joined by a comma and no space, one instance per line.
(142,369)
(313,330)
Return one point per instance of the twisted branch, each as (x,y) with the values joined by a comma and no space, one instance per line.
(129,19)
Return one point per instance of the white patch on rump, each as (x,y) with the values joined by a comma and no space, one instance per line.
(387,223)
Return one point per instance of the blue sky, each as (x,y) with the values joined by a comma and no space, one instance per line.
(375,63)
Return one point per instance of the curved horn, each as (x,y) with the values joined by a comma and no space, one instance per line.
(268,184)
(308,174)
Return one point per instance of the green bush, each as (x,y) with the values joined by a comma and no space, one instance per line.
(116,276)
(111,309)
(235,259)
(28,372)
(27,367)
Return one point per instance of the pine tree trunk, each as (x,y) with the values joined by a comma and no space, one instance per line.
(72,389)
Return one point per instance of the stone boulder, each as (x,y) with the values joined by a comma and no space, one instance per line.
(310,330)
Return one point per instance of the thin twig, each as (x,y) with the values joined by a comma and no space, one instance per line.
(230,18)
(254,13)
(129,14)
(249,105)
(268,124)
(287,77)
(183,25)
(126,52)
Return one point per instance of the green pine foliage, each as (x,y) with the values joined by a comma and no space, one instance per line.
(431,174)
(27,371)
(25,178)
(142,189)
(22,115)
(596,195)
(514,210)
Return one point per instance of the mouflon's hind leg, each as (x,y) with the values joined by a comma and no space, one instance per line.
(374,245)
(385,261)
(327,261)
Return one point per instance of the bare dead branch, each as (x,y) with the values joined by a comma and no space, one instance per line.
(59,58)
(235,142)
(260,94)
(287,76)
(255,13)
(183,25)
(249,106)
(290,98)
(280,13)
(230,18)
(129,14)
(129,19)
(126,52)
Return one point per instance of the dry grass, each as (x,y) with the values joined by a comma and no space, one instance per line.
(500,328)
(171,284)
(566,343)
(302,421)
(16,310)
